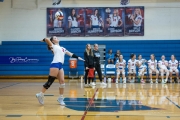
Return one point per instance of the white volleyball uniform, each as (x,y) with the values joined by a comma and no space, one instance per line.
(139,17)
(94,20)
(59,53)
(152,66)
(56,23)
(142,68)
(114,20)
(73,21)
(163,67)
(132,68)
(173,66)
(121,65)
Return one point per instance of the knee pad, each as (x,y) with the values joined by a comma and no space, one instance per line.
(62,85)
(49,82)
(123,72)
(171,70)
(176,70)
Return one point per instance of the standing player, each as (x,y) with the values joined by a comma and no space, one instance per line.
(163,64)
(120,65)
(136,18)
(97,63)
(173,64)
(152,64)
(57,21)
(56,69)
(132,67)
(96,21)
(72,19)
(142,67)
(114,19)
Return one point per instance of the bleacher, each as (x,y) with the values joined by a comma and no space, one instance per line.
(39,50)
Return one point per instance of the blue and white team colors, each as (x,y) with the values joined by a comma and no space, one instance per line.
(114,20)
(59,53)
(73,21)
(139,17)
(94,20)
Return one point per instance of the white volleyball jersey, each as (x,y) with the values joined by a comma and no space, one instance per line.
(142,64)
(121,64)
(59,53)
(73,21)
(162,64)
(94,20)
(139,17)
(132,63)
(114,20)
(56,23)
(173,64)
(152,64)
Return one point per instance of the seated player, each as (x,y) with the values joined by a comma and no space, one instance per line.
(142,67)
(163,64)
(152,65)
(132,67)
(173,64)
(120,65)
(110,57)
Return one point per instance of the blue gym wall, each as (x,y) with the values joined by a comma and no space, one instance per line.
(39,50)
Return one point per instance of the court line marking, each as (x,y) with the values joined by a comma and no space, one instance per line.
(10,85)
(89,105)
(173,102)
(13,115)
(95,115)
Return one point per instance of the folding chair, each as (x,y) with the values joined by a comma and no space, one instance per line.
(110,70)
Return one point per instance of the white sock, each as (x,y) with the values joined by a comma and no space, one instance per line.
(61,96)
(41,93)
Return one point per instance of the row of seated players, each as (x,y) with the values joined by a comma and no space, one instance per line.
(162,67)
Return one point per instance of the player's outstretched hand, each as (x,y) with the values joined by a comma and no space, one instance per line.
(79,58)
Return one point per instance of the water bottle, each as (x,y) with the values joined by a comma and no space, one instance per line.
(104,79)
(120,79)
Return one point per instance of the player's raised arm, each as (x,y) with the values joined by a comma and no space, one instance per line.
(48,42)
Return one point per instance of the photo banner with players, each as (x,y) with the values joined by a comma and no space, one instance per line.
(114,21)
(57,22)
(95,21)
(94,25)
(134,21)
(76,22)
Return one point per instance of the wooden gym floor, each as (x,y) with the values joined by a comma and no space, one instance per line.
(115,102)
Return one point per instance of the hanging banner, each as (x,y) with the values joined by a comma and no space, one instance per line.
(134,21)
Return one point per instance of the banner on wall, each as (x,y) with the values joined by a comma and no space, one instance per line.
(114,21)
(134,21)
(100,21)
(76,21)
(94,25)
(57,22)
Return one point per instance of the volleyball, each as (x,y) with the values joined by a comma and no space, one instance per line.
(59,15)
(108,10)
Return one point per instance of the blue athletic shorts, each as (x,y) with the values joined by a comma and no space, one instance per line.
(56,65)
